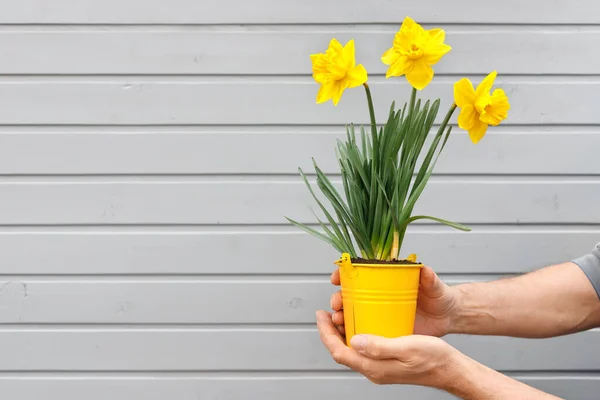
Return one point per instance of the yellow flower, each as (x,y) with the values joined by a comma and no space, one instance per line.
(479,108)
(336,71)
(413,53)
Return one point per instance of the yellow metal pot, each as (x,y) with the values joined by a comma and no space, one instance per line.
(379,299)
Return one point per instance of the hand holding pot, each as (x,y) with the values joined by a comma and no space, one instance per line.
(414,359)
(436,302)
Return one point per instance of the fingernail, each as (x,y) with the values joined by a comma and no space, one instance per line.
(358,342)
(331,303)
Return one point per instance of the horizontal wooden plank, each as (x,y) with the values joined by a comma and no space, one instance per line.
(270,11)
(266,301)
(216,152)
(269,201)
(234,388)
(209,51)
(254,350)
(170,101)
(172,253)
(161,302)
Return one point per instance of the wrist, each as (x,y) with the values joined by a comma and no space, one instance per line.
(471,380)
(466,379)
(448,367)
(449,370)
(473,312)
(457,315)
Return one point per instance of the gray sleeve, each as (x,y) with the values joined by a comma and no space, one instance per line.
(590,264)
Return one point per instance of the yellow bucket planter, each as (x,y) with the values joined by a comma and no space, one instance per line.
(379,298)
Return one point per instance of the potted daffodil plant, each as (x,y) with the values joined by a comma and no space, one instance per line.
(384,169)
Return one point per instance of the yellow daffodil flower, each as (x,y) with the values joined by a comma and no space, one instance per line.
(413,53)
(336,71)
(479,108)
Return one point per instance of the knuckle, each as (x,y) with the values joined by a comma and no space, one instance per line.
(336,318)
(338,357)
(372,372)
(373,348)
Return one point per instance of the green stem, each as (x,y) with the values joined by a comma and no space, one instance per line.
(371,111)
(413,96)
(447,117)
(373,124)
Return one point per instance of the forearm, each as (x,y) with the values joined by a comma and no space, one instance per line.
(552,301)
(473,381)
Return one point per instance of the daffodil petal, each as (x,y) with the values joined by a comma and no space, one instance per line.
(319,68)
(349,54)
(464,94)
(412,26)
(467,117)
(389,57)
(498,110)
(420,75)
(400,67)
(401,43)
(406,35)
(340,87)
(486,85)
(326,92)
(436,36)
(356,76)
(477,131)
(335,46)
(433,54)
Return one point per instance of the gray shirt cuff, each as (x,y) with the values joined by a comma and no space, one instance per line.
(590,264)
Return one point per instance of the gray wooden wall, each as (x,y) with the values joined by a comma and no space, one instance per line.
(148,154)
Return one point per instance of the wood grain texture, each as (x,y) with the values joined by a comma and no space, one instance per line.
(312,11)
(268,201)
(284,50)
(262,101)
(170,301)
(516,150)
(194,349)
(165,252)
(157,387)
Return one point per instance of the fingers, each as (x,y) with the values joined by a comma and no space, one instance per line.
(335,277)
(377,347)
(333,341)
(336,301)
(338,318)
(336,306)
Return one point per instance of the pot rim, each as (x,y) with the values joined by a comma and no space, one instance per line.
(386,265)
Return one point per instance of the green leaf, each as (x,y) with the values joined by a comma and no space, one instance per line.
(315,233)
(390,205)
(339,235)
(342,211)
(441,221)
(338,241)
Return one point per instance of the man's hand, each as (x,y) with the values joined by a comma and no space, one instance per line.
(434,307)
(415,360)
(424,361)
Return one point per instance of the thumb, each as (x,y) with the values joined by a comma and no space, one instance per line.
(431,284)
(377,347)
